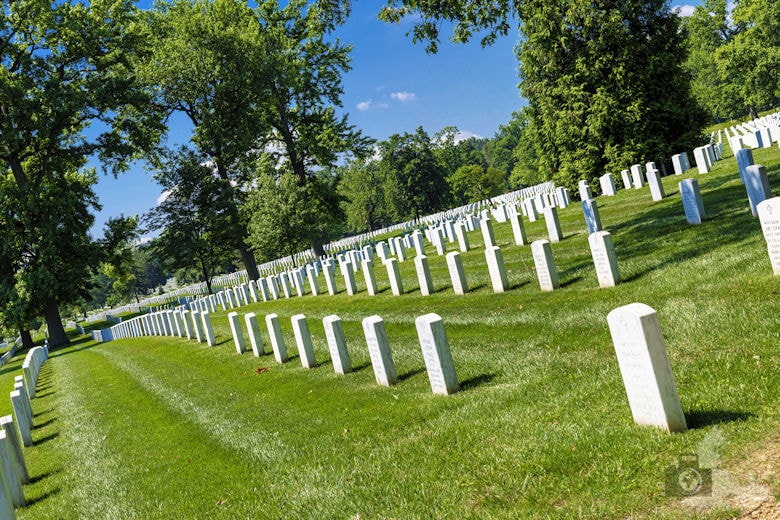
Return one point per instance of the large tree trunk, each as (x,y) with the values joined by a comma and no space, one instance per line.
(51,312)
(27,341)
(248,258)
(318,248)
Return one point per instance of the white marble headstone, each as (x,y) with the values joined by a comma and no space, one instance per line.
(379,351)
(437,355)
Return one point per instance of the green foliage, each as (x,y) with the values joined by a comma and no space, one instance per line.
(66,65)
(197,229)
(472,183)
(362,188)
(280,210)
(414,176)
(749,62)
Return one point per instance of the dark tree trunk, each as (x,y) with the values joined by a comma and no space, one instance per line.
(51,312)
(248,258)
(27,341)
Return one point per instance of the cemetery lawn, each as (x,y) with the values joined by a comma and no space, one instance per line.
(169,428)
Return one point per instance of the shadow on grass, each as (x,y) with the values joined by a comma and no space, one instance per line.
(357,368)
(702,418)
(412,373)
(43,476)
(72,347)
(476,381)
(48,494)
(44,440)
(46,423)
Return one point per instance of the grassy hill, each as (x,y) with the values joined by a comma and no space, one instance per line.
(169,428)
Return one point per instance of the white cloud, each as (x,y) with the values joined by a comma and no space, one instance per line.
(163,196)
(462,135)
(365,106)
(684,10)
(404,97)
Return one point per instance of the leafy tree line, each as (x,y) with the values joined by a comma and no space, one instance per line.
(608,84)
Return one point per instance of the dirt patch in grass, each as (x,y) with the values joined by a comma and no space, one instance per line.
(747,489)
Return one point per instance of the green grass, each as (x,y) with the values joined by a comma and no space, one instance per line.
(168,428)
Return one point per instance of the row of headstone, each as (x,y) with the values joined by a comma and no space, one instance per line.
(181,323)
(17,432)
(430,330)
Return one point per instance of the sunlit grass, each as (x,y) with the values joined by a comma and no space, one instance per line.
(169,428)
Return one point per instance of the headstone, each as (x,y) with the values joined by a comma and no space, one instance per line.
(607,183)
(197,326)
(284,281)
(626,177)
(702,159)
(644,366)
(497,269)
(518,229)
(590,210)
(437,355)
(330,279)
(381,250)
(744,159)
(311,274)
(277,340)
(254,334)
(9,475)
(337,344)
(379,351)
(677,164)
(553,224)
(585,191)
(8,426)
(757,185)
(530,210)
(604,259)
(419,244)
(273,287)
(769,215)
(253,292)
(486,225)
(545,265)
(262,286)
(437,237)
(349,278)
(463,239)
(691,199)
(656,187)
(423,275)
(208,329)
(368,274)
(457,274)
(303,340)
(636,175)
(23,419)
(393,273)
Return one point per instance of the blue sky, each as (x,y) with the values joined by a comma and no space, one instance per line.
(394,87)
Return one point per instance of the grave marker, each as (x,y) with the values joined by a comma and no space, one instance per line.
(208,329)
(590,210)
(337,344)
(691,199)
(769,215)
(644,366)
(277,340)
(303,340)
(368,274)
(254,334)
(604,259)
(393,273)
(487,232)
(379,351)
(744,159)
(437,355)
(518,229)
(497,269)
(423,275)
(656,187)
(457,275)
(545,265)
(757,186)
(553,224)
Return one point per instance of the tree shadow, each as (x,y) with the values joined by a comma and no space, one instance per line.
(476,381)
(702,418)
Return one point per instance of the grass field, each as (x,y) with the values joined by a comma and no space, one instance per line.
(169,428)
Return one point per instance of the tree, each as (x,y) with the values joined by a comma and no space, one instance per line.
(304,89)
(362,187)
(749,62)
(473,183)
(118,244)
(208,62)
(603,79)
(65,65)
(280,208)
(415,177)
(708,29)
(197,229)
